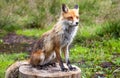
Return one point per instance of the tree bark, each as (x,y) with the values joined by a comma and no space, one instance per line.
(26,71)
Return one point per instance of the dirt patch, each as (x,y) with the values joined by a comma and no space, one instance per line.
(106,64)
(98,75)
(16,43)
(12,38)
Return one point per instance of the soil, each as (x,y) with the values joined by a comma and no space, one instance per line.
(106,64)
(16,43)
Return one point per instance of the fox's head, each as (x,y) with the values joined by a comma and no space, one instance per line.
(70,16)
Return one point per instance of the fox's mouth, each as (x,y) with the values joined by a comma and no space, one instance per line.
(73,25)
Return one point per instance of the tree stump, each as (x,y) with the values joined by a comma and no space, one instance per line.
(26,71)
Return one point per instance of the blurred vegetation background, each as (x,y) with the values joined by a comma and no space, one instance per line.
(20,14)
(97,44)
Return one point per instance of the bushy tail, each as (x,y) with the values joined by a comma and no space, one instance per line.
(13,70)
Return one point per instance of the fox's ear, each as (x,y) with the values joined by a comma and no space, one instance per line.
(76,7)
(64,8)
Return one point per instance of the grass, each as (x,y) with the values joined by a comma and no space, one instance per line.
(91,57)
(8,59)
(32,32)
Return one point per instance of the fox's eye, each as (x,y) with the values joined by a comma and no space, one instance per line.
(77,17)
(70,18)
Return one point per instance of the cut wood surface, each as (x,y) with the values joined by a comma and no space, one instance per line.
(26,71)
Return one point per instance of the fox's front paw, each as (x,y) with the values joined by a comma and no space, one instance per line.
(72,68)
(64,69)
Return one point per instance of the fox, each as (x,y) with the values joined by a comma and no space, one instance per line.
(57,40)
(52,43)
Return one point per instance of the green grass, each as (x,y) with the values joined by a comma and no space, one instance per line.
(33,32)
(8,59)
(94,54)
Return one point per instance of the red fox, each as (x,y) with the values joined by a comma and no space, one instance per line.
(49,47)
(58,39)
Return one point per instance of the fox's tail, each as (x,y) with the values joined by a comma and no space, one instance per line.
(13,70)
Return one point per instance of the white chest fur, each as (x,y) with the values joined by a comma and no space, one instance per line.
(69,33)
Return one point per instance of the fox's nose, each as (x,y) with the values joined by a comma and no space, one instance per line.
(76,23)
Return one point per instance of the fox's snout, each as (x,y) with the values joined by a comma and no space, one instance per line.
(76,23)
(73,22)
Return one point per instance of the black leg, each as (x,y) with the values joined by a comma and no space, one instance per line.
(58,56)
(62,66)
(70,66)
(66,53)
